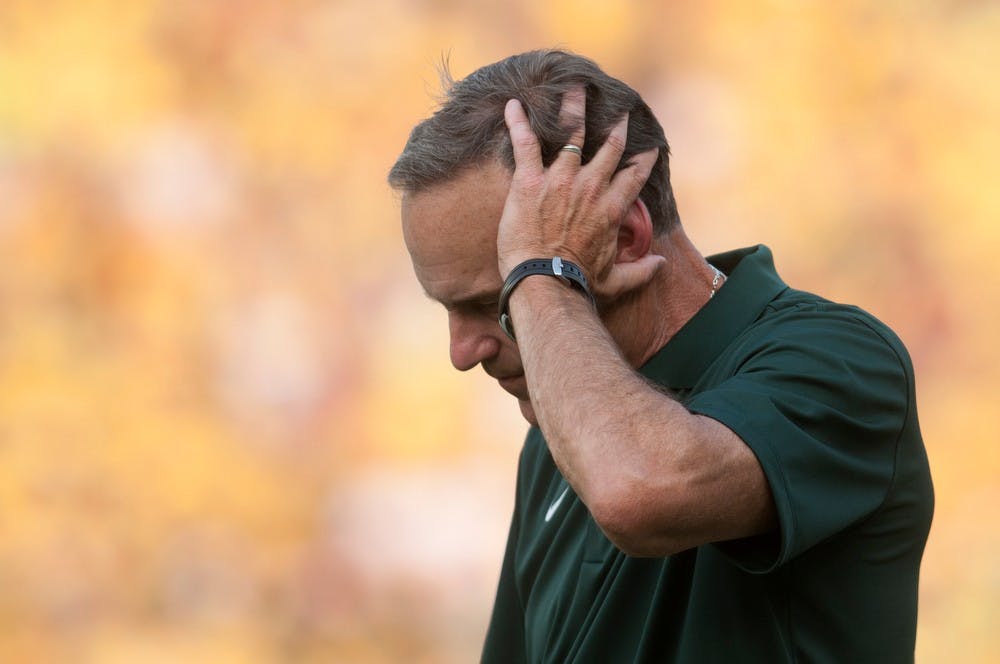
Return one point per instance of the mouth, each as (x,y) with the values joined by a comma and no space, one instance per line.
(516,385)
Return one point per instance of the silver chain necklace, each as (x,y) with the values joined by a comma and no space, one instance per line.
(716,282)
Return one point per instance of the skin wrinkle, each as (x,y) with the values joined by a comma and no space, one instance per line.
(632,454)
(588,401)
(655,477)
(626,482)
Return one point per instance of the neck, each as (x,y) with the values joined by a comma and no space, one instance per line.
(642,322)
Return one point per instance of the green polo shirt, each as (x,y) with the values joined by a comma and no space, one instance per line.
(823,394)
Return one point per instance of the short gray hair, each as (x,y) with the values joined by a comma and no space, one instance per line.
(468,129)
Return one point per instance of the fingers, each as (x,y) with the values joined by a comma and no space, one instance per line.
(527,153)
(573,114)
(628,182)
(606,160)
(626,277)
(571,209)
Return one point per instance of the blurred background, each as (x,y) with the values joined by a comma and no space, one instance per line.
(229,430)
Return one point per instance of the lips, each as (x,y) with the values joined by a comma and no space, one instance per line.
(514,384)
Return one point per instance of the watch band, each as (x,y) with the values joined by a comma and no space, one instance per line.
(556,267)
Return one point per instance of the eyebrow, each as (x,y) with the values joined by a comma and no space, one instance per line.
(474,299)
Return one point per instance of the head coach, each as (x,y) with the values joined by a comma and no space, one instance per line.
(720,468)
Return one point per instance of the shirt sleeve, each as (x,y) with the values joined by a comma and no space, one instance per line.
(822,405)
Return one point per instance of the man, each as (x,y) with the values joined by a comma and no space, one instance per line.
(720,468)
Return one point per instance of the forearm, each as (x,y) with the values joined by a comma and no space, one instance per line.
(656,478)
(571,366)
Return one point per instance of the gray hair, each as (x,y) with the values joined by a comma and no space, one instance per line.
(468,129)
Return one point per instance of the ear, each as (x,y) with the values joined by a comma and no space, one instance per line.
(634,265)
(635,233)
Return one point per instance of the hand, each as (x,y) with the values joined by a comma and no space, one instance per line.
(570,210)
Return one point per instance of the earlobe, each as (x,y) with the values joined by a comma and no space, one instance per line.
(635,233)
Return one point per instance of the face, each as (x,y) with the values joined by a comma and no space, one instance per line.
(451,233)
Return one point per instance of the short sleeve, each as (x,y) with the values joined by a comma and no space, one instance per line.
(822,404)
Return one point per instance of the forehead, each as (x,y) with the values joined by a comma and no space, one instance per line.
(450,231)
(471,202)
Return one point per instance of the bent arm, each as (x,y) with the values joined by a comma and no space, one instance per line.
(656,478)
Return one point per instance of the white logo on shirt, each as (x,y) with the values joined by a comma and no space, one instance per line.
(555,505)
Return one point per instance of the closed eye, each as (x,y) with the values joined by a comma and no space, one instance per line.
(475,304)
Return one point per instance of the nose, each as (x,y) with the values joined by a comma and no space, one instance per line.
(473,339)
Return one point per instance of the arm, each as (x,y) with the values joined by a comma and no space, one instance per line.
(656,478)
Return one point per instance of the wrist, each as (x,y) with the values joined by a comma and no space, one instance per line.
(565,271)
(510,260)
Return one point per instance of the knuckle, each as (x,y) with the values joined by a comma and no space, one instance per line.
(590,190)
(528,182)
(616,143)
(523,140)
(563,186)
(637,180)
(616,211)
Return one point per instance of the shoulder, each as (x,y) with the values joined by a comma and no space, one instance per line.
(799,330)
(810,366)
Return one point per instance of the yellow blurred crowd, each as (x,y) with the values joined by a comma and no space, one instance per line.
(229,430)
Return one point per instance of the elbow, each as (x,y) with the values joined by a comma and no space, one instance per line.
(640,521)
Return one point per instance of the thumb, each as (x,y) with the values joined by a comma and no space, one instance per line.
(629,276)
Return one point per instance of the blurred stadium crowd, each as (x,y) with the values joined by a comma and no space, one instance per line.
(229,430)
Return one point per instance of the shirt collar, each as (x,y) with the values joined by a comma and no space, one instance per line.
(751,283)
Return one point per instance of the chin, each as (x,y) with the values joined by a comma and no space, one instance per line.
(527,411)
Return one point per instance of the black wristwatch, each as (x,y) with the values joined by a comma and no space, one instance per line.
(568,272)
